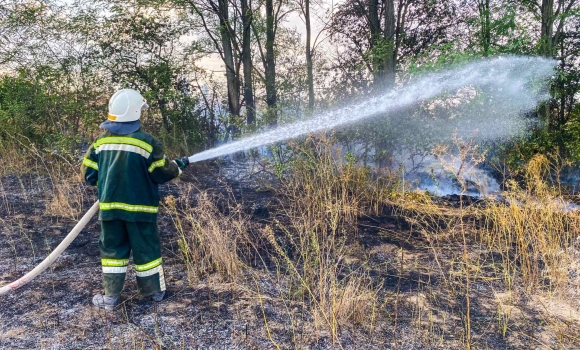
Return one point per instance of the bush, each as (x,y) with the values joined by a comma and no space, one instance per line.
(45,112)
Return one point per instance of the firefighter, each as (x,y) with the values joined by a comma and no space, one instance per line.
(127,165)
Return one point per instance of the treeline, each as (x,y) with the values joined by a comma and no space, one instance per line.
(61,60)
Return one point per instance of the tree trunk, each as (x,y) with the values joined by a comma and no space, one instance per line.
(390,62)
(232,80)
(485,23)
(247,63)
(375,41)
(164,112)
(546,43)
(309,56)
(270,70)
(547,29)
(374,21)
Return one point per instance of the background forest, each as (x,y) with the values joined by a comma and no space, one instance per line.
(213,70)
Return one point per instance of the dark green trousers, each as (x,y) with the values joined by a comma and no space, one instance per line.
(118,239)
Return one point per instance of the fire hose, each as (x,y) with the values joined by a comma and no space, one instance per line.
(55,253)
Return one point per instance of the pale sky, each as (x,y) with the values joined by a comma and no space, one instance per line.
(293,20)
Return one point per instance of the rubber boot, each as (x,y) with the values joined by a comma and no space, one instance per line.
(107,302)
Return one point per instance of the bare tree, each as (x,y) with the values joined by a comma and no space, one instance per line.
(247,63)
(310,74)
(227,37)
(553,15)
(222,35)
(270,64)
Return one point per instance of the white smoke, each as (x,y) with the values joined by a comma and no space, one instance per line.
(514,81)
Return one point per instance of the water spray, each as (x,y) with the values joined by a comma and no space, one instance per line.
(513,76)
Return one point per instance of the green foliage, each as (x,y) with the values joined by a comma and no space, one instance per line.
(44,110)
(19,103)
(379,52)
(513,155)
(572,132)
(439,57)
(142,51)
(185,133)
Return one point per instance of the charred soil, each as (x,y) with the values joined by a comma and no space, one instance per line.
(420,295)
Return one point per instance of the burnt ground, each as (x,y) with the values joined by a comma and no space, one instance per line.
(420,300)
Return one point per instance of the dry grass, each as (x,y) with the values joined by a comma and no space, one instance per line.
(323,199)
(14,161)
(333,189)
(533,230)
(66,199)
(66,194)
(308,250)
(312,233)
(210,239)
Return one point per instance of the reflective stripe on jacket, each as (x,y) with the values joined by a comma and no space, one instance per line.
(127,170)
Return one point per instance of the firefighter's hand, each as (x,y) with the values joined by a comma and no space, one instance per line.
(182,162)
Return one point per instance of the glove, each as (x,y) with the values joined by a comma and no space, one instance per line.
(182,162)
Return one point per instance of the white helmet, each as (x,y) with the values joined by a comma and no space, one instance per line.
(126,106)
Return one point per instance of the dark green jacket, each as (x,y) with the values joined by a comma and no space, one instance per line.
(127,170)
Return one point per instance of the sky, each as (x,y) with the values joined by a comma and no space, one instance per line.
(294,20)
